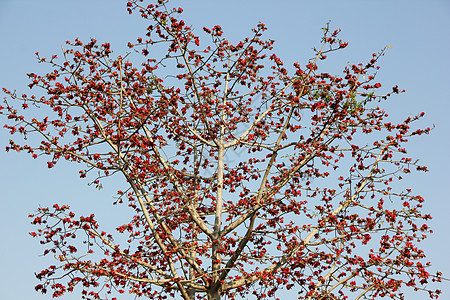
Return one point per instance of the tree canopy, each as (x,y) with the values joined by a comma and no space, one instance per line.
(246,176)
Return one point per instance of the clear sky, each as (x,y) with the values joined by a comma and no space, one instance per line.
(419,62)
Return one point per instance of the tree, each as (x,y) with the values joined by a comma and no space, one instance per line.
(312,204)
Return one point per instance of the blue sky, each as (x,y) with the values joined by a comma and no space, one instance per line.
(419,62)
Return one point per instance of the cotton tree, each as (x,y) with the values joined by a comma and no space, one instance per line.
(245,176)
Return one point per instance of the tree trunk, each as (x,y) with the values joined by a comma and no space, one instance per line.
(213,295)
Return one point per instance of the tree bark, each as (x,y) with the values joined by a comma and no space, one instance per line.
(213,295)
